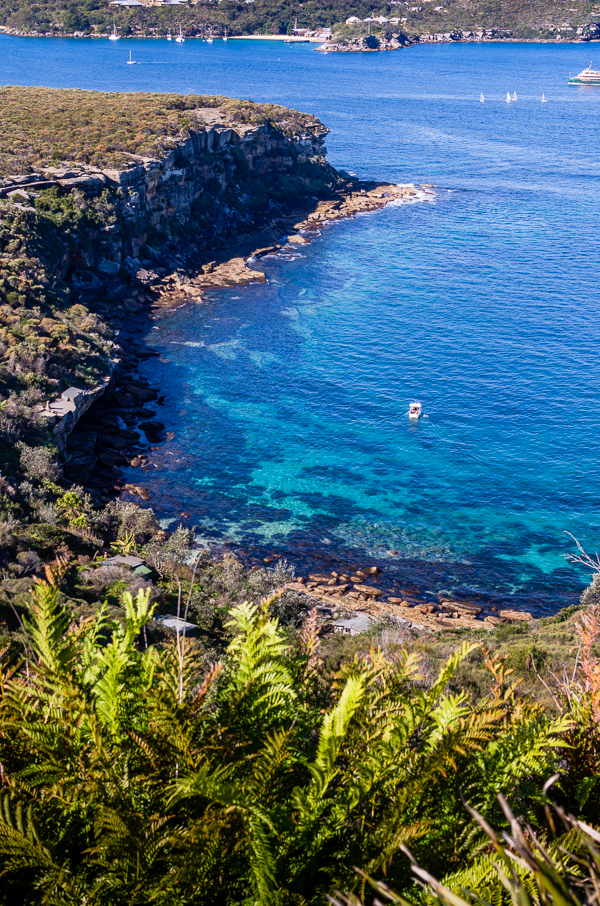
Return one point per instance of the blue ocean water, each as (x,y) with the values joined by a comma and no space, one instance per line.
(287,402)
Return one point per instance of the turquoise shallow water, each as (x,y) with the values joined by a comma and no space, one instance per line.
(288,401)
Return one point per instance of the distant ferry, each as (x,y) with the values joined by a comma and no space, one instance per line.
(587,76)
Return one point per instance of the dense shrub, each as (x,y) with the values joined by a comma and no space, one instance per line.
(141,774)
(278,16)
(40,127)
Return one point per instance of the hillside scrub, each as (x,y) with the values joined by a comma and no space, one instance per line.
(45,127)
(534,20)
(46,340)
(123,761)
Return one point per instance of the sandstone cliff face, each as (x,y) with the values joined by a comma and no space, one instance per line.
(82,248)
(206,190)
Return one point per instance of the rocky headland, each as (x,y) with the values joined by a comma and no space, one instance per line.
(388,40)
(116,212)
(113,212)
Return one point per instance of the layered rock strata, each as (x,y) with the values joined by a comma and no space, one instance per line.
(207,188)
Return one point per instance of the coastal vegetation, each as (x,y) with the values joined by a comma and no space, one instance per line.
(535,20)
(266,758)
(138,769)
(53,329)
(46,340)
(41,127)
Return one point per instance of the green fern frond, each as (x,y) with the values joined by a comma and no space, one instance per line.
(47,627)
(20,845)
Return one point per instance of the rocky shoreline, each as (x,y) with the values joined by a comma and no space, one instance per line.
(374,43)
(239,266)
(117,429)
(338,595)
(117,240)
(362,43)
(123,428)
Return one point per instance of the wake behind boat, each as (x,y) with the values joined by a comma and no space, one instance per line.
(587,76)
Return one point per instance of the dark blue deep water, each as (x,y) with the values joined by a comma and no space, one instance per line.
(287,402)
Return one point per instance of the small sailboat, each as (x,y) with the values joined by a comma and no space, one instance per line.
(130,61)
(514,97)
(544,99)
(169,38)
(225,35)
(507,98)
(414,410)
(209,40)
(114,36)
(481,98)
(179,39)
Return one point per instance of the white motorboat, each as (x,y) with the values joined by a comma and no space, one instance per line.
(169,38)
(414,410)
(114,36)
(179,39)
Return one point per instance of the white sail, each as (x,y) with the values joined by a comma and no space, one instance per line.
(114,36)
(507,98)
(481,98)
(514,97)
